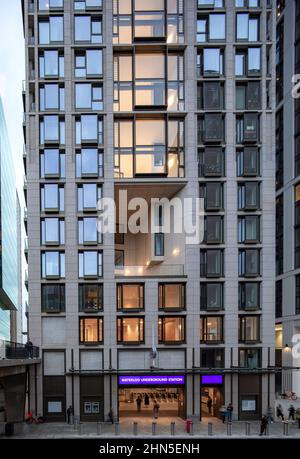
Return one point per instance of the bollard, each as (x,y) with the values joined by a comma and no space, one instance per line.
(71,419)
(76,423)
(154,425)
(247,428)
(173,428)
(135,428)
(229,428)
(99,428)
(267,432)
(117,428)
(192,428)
(80,428)
(210,428)
(285,428)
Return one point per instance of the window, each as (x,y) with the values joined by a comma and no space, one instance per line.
(52,97)
(279,140)
(53,264)
(119,258)
(88,29)
(91,330)
(297,226)
(90,297)
(248,162)
(159,245)
(51,30)
(51,64)
(211,263)
(248,62)
(175,81)
(88,96)
(90,264)
(247,128)
(249,329)
(210,96)
(46,5)
(212,358)
(130,330)
(213,229)
(247,27)
(171,330)
(123,76)
(150,80)
(52,129)
(247,3)
(210,4)
(249,295)
(171,296)
(278,298)
(210,62)
(89,231)
(88,63)
(150,146)
(211,329)
(297,281)
(211,28)
(88,195)
(130,297)
(149,19)
(211,162)
(53,298)
(248,196)
(212,193)
(52,231)
(52,198)
(210,128)
(249,229)
(87,4)
(248,96)
(249,263)
(89,163)
(89,129)
(250,358)
(211,296)
(52,163)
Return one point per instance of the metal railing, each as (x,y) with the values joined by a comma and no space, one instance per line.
(153,271)
(10,350)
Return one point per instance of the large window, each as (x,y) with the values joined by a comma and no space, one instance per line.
(88,195)
(89,231)
(52,198)
(249,295)
(249,329)
(52,231)
(51,64)
(91,330)
(212,193)
(211,27)
(150,80)
(89,129)
(211,263)
(171,296)
(51,30)
(130,296)
(213,229)
(248,96)
(211,296)
(149,19)
(53,264)
(297,226)
(90,264)
(249,229)
(250,358)
(297,302)
(211,329)
(88,29)
(248,162)
(89,163)
(212,358)
(52,163)
(211,128)
(87,4)
(90,297)
(53,298)
(88,63)
(210,96)
(211,162)
(52,97)
(249,263)
(249,196)
(248,62)
(247,27)
(210,4)
(247,128)
(171,330)
(130,330)
(210,62)
(46,5)
(88,96)
(52,129)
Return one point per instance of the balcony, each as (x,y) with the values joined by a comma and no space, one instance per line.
(162,270)
(17,351)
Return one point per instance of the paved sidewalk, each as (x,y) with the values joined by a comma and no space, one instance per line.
(89,430)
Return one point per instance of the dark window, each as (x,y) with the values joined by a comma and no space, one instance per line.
(211,263)
(53,298)
(250,358)
(279,61)
(211,128)
(171,296)
(248,96)
(278,299)
(248,162)
(171,330)
(249,263)
(130,296)
(90,297)
(249,229)
(249,295)
(130,330)
(211,296)
(297,280)
(211,162)
(279,235)
(248,196)
(212,358)
(297,226)
(119,258)
(212,193)
(213,229)
(247,128)
(211,329)
(279,149)
(159,249)
(91,330)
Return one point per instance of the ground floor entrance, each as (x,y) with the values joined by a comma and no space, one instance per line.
(211,401)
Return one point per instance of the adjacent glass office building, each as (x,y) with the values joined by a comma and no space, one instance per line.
(155,99)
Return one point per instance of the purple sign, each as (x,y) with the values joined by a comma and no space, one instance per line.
(150,380)
(211,379)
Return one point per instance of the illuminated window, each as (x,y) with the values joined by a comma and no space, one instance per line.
(91,330)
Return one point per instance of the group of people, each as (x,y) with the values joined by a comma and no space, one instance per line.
(156,405)
(268,417)
(225,412)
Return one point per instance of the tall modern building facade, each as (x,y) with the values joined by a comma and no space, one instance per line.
(157,99)
(287,193)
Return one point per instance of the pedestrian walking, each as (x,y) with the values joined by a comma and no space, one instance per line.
(263,425)
(279,412)
(229,412)
(209,404)
(146,400)
(70,412)
(291,413)
(111,415)
(155,409)
(138,403)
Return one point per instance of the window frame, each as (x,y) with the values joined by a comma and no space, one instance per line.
(120,330)
(100,334)
(162,333)
(140,296)
(204,330)
(81,296)
(162,296)
(243,326)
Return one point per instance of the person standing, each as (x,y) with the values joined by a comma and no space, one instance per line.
(223,413)
(111,415)
(291,413)
(263,425)
(279,412)
(146,400)
(155,409)
(229,412)
(209,404)
(70,412)
(138,403)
